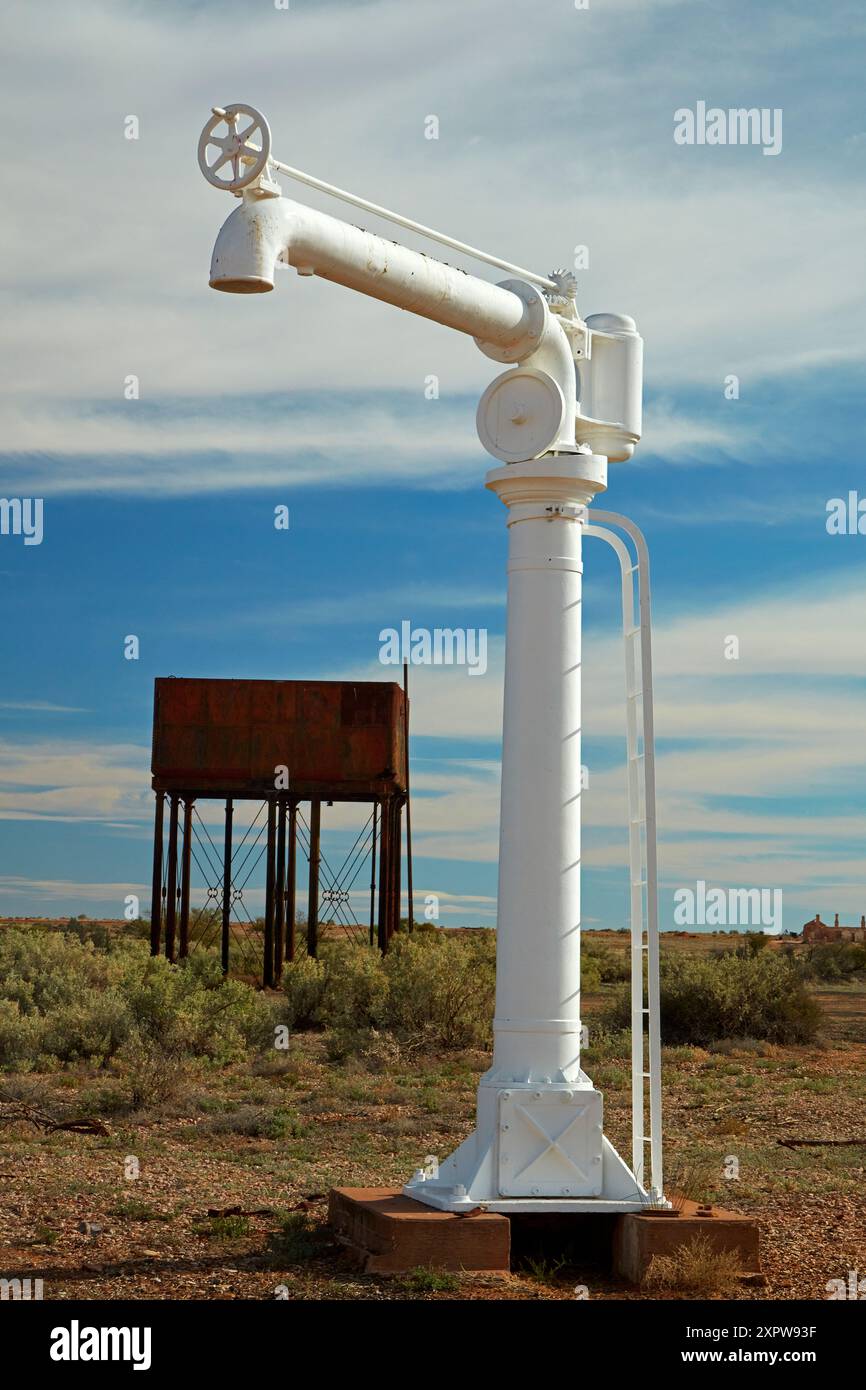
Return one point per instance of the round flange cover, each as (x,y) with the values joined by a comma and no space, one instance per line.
(520,415)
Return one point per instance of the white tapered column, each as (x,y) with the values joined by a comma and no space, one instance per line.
(538,1143)
(537,1023)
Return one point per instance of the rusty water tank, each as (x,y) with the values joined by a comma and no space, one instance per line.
(338,739)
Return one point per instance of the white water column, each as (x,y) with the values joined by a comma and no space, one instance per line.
(575,388)
(539,1143)
(537,1021)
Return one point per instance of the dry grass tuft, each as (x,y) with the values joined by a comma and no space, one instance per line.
(690,1178)
(694,1268)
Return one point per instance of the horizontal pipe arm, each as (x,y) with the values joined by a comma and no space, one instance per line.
(262,231)
(412,226)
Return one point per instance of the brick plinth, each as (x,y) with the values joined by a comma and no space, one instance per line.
(390,1233)
(640,1235)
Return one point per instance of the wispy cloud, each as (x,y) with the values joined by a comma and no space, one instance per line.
(191,446)
(41,707)
(730,264)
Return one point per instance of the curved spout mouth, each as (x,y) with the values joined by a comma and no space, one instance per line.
(241,284)
(247,247)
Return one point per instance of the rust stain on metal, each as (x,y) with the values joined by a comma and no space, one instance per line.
(342,739)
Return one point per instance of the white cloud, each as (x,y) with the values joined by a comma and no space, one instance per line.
(730,262)
(729,734)
(64,891)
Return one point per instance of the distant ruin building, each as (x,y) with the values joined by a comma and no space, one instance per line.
(816,930)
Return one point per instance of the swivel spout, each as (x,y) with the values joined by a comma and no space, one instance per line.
(263,231)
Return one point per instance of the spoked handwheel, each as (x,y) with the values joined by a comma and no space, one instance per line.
(244,144)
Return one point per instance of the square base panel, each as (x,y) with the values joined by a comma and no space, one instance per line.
(389,1233)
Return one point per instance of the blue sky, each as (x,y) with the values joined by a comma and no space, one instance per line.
(556,130)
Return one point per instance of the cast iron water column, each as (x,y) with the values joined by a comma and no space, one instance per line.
(539,1142)
(568,404)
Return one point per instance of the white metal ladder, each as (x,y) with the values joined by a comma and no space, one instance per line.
(643,867)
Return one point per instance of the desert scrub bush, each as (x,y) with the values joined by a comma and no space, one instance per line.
(355,987)
(20,1035)
(441,990)
(752,944)
(382,1053)
(695,1267)
(180,1014)
(257,1122)
(45,971)
(837,960)
(131,1209)
(59,1000)
(607,1044)
(304,988)
(590,974)
(92,1028)
(612,967)
(731,996)
(63,1000)
(731,1047)
(427,989)
(198,1010)
(343,1043)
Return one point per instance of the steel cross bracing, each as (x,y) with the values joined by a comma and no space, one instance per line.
(210,935)
(339,884)
(224,919)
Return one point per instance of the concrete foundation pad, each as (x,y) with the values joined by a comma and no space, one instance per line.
(391,1234)
(640,1236)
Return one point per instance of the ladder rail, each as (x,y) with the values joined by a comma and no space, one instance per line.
(635,856)
(648,820)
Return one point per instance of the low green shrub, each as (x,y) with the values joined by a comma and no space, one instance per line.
(611,967)
(233,1227)
(590,974)
(837,960)
(427,988)
(440,989)
(64,1000)
(605,1044)
(355,986)
(20,1035)
(422,1280)
(733,996)
(304,988)
(297,1238)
